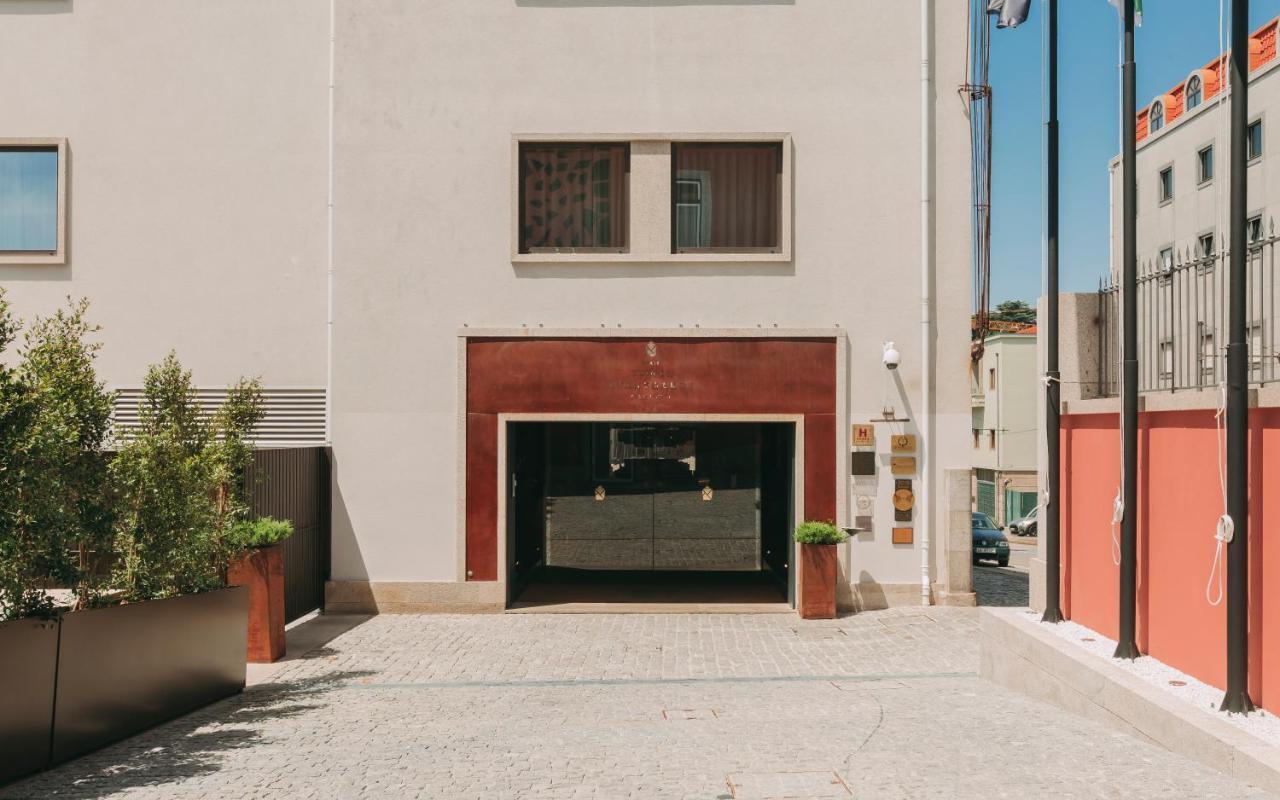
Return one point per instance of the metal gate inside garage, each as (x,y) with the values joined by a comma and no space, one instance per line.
(292,483)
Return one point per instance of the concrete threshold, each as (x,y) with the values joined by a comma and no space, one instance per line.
(650,608)
(1017,653)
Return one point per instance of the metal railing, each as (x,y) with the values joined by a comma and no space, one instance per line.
(1182,319)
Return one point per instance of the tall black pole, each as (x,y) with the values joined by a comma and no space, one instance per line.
(1237,699)
(1127,646)
(1052,392)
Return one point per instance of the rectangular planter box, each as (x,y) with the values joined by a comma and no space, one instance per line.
(818,571)
(28,661)
(261,570)
(126,668)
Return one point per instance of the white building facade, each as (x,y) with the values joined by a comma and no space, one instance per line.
(595,286)
(1006,432)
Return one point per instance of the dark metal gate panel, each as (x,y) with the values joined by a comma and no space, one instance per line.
(293,483)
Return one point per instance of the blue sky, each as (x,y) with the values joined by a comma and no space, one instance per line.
(1176,37)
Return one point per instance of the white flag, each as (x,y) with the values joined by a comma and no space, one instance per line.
(1012,12)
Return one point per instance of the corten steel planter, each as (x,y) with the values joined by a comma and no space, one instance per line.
(261,571)
(818,572)
(126,668)
(28,662)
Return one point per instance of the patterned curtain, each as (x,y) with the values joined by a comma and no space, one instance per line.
(573,197)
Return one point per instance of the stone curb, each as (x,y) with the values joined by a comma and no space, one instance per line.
(1016,654)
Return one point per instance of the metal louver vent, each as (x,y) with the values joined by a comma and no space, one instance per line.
(292,416)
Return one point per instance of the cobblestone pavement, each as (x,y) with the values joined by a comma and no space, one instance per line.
(1001,586)
(712,707)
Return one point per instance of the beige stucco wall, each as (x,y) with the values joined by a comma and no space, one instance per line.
(197,134)
(429,97)
(1010,407)
(199,168)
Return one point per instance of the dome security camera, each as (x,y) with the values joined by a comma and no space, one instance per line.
(891,356)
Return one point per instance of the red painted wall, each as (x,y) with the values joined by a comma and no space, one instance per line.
(1179,502)
(604,376)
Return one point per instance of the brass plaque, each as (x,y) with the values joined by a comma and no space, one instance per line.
(901,516)
(903,443)
(902,465)
(864,463)
(903,536)
(864,435)
(599,493)
(904,500)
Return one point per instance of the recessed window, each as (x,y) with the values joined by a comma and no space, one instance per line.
(1253,229)
(1155,120)
(1166,259)
(1195,92)
(1255,139)
(726,197)
(1204,165)
(1166,184)
(1206,244)
(574,197)
(30,201)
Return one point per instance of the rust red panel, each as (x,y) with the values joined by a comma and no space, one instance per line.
(741,376)
(627,375)
(820,467)
(482,497)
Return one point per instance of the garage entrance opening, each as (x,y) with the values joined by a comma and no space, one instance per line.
(696,513)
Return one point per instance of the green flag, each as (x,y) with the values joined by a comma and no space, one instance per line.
(1137,10)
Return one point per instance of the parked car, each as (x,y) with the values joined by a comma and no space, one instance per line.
(1025,526)
(988,541)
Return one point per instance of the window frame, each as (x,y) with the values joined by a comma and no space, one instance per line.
(1152,127)
(43,257)
(675,203)
(1165,197)
(1213,244)
(1201,178)
(588,251)
(649,227)
(1187,95)
(1251,156)
(1250,241)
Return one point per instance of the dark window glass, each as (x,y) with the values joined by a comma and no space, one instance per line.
(573,197)
(1193,92)
(1206,244)
(727,197)
(1156,119)
(1255,139)
(1206,164)
(1166,184)
(1255,229)
(28,199)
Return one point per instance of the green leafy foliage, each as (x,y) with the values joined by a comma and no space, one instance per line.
(1014,311)
(264,532)
(179,484)
(812,532)
(55,519)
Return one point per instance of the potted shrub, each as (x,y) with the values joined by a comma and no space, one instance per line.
(174,639)
(818,568)
(54,515)
(260,567)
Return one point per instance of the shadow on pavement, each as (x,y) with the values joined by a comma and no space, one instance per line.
(187,747)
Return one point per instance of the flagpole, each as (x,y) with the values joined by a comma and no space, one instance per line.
(1126,646)
(1237,699)
(1053,383)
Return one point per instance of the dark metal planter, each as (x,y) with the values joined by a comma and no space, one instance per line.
(28,662)
(126,668)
